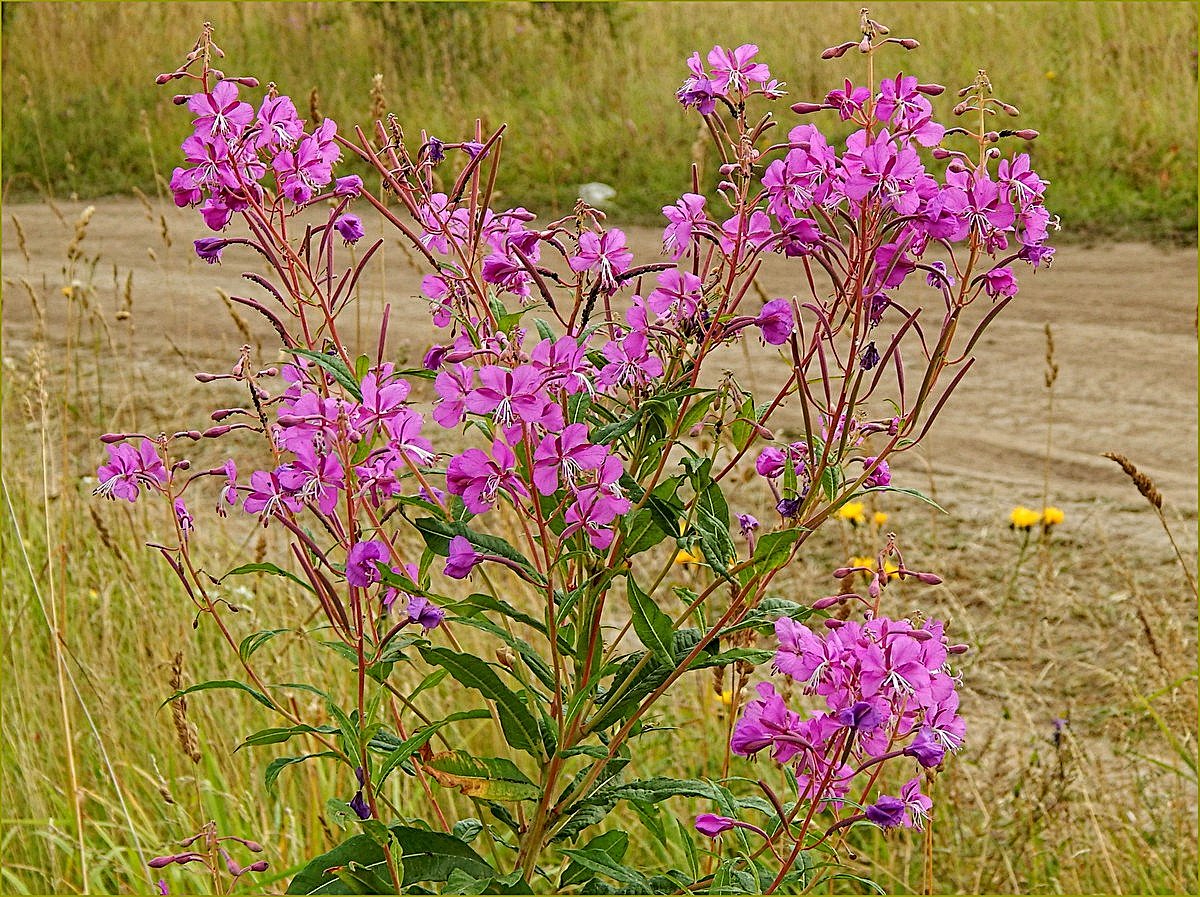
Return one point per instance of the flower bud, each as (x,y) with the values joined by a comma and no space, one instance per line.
(187,434)
(961,108)
(259,866)
(1009,108)
(204,377)
(834,624)
(167,76)
(843,572)
(179,99)
(864,45)
(1026,134)
(939,153)
(109,438)
(831,600)
(908,43)
(992,136)
(875,587)
(993,152)
(836,52)
(246,81)
(807,108)
(930,579)
(930,90)
(214,432)
(221,413)
(957,649)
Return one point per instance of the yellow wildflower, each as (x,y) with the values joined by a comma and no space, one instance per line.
(1051,75)
(879,518)
(853,512)
(1024,518)
(725,697)
(688,557)
(1052,516)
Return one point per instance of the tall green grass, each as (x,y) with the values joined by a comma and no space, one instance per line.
(586,88)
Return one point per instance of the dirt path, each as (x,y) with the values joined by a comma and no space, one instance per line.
(1123,317)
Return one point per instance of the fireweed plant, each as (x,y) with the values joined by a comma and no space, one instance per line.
(598,454)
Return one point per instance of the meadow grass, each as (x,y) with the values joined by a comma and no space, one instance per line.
(96,776)
(586,88)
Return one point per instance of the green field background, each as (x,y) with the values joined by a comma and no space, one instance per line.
(587,88)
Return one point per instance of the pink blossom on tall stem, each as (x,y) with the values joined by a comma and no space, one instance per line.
(684,217)
(480,479)
(128,469)
(733,71)
(220,113)
(606,254)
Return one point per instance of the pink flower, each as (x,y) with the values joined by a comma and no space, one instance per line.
(128,469)
(606,254)
(567,454)
(683,217)
(733,70)
(361,567)
(678,293)
(479,479)
(776,322)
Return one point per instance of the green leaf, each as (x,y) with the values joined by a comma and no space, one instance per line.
(600,862)
(643,532)
(280,735)
(913,493)
(770,553)
(256,640)
(336,367)
(220,683)
(421,737)
(652,626)
(611,432)
(279,764)
(769,610)
(438,533)
(273,569)
(488,778)
(426,856)
(521,730)
(611,845)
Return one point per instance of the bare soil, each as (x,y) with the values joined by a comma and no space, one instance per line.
(1123,318)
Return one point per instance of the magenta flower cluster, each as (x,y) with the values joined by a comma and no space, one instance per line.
(888,693)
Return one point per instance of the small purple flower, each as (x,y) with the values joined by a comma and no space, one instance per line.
(269,497)
(747,523)
(916,804)
(279,126)
(776,322)
(712,825)
(604,253)
(863,716)
(1000,282)
(220,113)
(209,249)
(733,70)
(677,293)
(880,476)
(788,507)
(359,805)
(940,279)
(128,469)
(161,885)
(869,357)
(462,558)
(684,217)
(350,227)
(184,518)
(422,610)
(565,456)
(350,185)
(479,479)
(887,812)
(926,748)
(361,569)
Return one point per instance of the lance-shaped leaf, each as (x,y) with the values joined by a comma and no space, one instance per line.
(652,626)
(521,730)
(425,856)
(489,778)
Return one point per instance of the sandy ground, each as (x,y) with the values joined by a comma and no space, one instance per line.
(1123,317)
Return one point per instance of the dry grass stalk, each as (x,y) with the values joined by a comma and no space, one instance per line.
(1150,492)
(1144,484)
(185,732)
(21,244)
